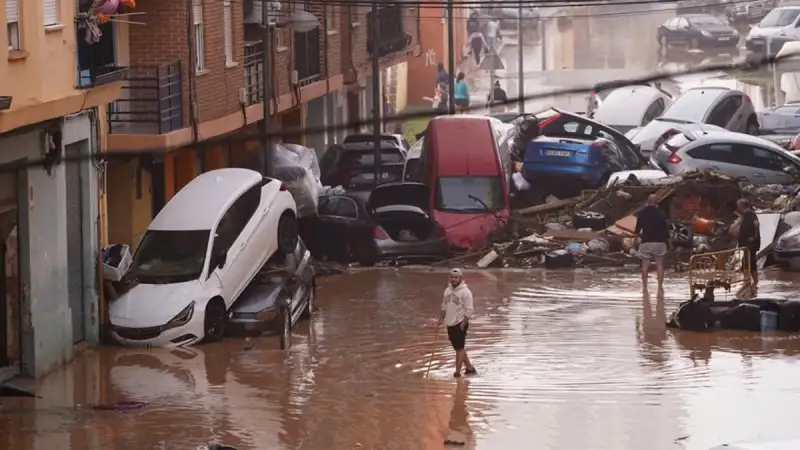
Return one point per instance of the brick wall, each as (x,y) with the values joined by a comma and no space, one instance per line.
(165,40)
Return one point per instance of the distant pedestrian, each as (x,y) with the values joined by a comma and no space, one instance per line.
(473,23)
(461,94)
(492,34)
(477,44)
(497,96)
(440,100)
(442,76)
(749,234)
(652,228)
(457,310)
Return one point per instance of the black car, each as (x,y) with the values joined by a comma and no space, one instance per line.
(352,166)
(698,32)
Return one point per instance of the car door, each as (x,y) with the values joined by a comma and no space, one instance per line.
(338,218)
(738,122)
(723,158)
(723,112)
(231,238)
(769,166)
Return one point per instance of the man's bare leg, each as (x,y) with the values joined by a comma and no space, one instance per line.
(645,272)
(467,362)
(459,360)
(660,272)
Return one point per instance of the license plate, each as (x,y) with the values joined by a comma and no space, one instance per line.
(725,39)
(558,153)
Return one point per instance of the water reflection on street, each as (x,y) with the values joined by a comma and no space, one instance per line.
(566,359)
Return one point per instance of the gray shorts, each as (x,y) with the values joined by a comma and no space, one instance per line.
(652,250)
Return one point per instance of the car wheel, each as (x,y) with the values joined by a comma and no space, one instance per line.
(752,127)
(288,234)
(286,332)
(588,219)
(215,321)
(680,234)
(310,308)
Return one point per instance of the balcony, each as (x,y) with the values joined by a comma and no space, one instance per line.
(253,72)
(391,35)
(97,61)
(307,59)
(151,103)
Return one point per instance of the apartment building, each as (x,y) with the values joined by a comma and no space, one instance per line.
(51,196)
(194,91)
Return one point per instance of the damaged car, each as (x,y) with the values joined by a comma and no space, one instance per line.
(281,294)
(392,223)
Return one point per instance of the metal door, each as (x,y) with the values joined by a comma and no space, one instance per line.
(74,240)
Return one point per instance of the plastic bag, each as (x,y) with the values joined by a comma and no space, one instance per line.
(298,167)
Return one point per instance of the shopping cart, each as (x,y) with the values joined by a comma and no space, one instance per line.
(723,269)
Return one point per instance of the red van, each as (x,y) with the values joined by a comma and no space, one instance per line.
(461,163)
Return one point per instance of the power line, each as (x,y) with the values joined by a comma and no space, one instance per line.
(213,142)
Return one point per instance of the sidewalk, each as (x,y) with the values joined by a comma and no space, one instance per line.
(480,80)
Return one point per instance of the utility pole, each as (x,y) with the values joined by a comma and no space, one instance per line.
(520,61)
(451,58)
(377,107)
(266,38)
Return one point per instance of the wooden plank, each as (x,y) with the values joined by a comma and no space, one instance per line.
(545,207)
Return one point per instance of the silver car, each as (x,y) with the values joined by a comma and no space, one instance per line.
(780,119)
(630,107)
(748,158)
(719,106)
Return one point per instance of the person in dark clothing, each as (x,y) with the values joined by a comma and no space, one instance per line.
(749,234)
(473,23)
(652,228)
(500,97)
(442,76)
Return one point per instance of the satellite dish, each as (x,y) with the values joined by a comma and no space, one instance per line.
(302,21)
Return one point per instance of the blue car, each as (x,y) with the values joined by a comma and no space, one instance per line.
(575,153)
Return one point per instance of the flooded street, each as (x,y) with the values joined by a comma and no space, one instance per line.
(568,359)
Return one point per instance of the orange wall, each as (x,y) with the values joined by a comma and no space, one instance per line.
(433,43)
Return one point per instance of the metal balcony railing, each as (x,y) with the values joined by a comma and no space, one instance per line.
(391,32)
(151,103)
(307,58)
(253,72)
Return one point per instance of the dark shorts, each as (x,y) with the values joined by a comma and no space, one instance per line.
(457,336)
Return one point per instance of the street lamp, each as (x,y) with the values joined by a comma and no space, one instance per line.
(299,21)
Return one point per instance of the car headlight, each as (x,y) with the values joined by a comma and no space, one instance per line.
(705,33)
(183,317)
(267,315)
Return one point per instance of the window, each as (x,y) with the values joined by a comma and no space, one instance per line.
(170,256)
(458,194)
(652,112)
(720,153)
(704,21)
(227,19)
(683,23)
(340,207)
(722,114)
(768,160)
(693,104)
(236,219)
(787,109)
(12,24)
(50,11)
(199,41)
(779,18)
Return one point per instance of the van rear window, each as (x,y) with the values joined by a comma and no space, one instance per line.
(470,194)
(361,158)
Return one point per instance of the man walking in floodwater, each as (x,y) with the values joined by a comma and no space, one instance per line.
(652,229)
(456,313)
(749,234)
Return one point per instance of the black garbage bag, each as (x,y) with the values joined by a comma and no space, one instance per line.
(745,317)
(526,131)
(789,317)
(693,315)
(559,259)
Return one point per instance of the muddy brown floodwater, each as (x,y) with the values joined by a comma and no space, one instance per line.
(567,360)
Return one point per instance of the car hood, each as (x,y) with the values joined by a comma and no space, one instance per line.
(790,239)
(759,32)
(257,298)
(152,305)
(468,231)
(402,193)
(647,136)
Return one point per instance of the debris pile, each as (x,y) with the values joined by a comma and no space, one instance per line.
(598,228)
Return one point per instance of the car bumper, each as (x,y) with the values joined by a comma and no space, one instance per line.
(391,249)
(719,42)
(186,335)
(254,327)
(758,45)
(588,175)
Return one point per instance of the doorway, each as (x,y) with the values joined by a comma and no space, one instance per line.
(75,260)
(10,304)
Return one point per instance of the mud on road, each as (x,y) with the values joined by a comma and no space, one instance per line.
(572,359)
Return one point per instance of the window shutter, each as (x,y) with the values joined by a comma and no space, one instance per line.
(12,11)
(227,18)
(50,12)
(197,12)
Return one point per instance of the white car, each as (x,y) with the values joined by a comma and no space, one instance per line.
(199,254)
(631,107)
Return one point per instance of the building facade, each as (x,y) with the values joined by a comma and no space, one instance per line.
(195,90)
(51,186)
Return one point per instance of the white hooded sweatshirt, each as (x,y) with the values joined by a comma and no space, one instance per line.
(457,304)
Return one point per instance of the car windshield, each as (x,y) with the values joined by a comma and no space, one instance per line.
(170,256)
(692,105)
(779,18)
(705,20)
(469,194)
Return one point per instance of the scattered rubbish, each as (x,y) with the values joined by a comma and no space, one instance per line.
(120,406)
